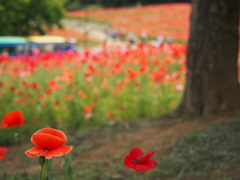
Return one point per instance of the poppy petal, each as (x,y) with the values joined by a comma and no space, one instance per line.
(3,150)
(13,114)
(145,167)
(129,162)
(47,141)
(2,157)
(12,119)
(53,132)
(35,151)
(136,153)
(146,157)
(29,154)
(3,125)
(63,150)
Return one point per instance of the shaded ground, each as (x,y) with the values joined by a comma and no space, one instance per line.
(99,153)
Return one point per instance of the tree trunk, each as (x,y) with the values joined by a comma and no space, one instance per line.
(212,57)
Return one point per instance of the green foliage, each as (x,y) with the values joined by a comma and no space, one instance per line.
(66,164)
(23,17)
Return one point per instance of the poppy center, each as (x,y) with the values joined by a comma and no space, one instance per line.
(137,160)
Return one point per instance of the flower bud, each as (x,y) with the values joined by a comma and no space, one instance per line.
(41,160)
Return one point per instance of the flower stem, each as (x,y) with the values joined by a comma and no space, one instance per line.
(44,170)
(18,152)
(143,175)
(3,167)
(4,170)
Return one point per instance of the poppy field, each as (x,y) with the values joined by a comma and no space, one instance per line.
(168,20)
(72,91)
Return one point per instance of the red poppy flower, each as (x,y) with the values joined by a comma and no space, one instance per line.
(13,88)
(3,150)
(12,119)
(49,142)
(34,85)
(138,162)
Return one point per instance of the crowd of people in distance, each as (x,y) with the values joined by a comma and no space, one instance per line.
(133,39)
(129,38)
(124,36)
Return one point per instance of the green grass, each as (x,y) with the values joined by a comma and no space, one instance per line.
(90,20)
(198,153)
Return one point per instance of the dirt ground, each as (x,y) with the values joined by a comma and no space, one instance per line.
(152,135)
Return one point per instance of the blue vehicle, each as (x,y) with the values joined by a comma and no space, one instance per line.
(30,44)
(13,45)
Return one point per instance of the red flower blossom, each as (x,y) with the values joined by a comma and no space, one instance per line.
(132,74)
(13,88)
(12,119)
(3,150)
(49,142)
(138,162)
(19,93)
(40,97)
(52,82)
(68,97)
(57,103)
(24,83)
(158,74)
(29,94)
(87,74)
(87,109)
(34,85)
(48,90)
(82,94)
(136,84)
(110,112)
(143,69)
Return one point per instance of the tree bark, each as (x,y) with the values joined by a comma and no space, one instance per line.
(212,57)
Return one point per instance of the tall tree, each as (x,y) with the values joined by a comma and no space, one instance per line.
(22,17)
(212,55)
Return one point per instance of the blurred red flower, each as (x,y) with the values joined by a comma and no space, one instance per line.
(132,74)
(138,162)
(136,84)
(110,112)
(12,88)
(52,82)
(24,83)
(57,103)
(48,90)
(19,92)
(68,97)
(49,142)
(34,85)
(87,109)
(12,119)
(82,94)
(3,150)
